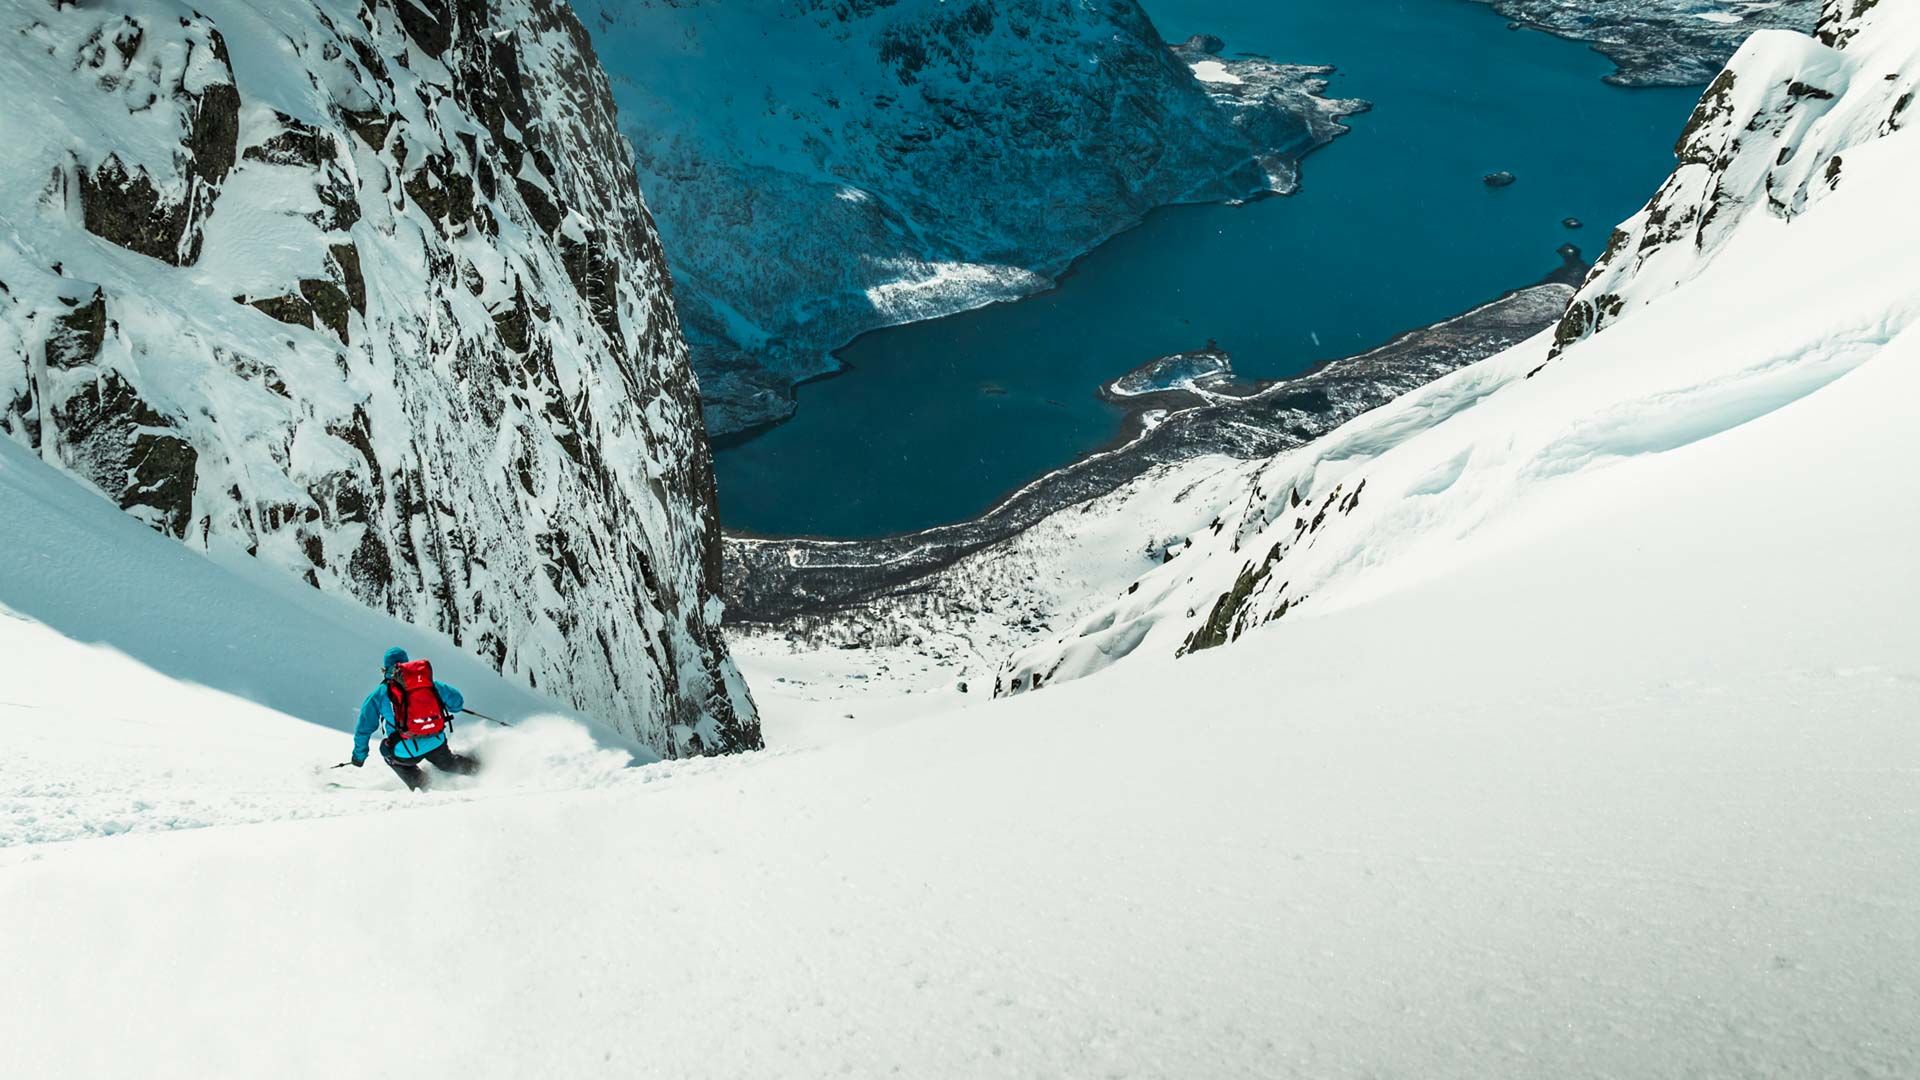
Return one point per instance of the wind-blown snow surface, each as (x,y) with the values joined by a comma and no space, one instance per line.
(824,167)
(367,291)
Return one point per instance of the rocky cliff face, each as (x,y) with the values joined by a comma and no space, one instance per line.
(365,289)
(823,167)
(1769,138)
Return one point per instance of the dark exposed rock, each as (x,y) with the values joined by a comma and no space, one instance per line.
(346,259)
(78,335)
(1498,179)
(514,322)
(442,190)
(296,144)
(292,309)
(1218,629)
(542,206)
(371,125)
(124,208)
(596,277)
(428,23)
(330,305)
(122,445)
(1839,20)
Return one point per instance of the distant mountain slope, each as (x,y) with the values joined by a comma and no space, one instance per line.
(150,688)
(1629,793)
(1778,259)
(823,167)
(367,290)
(1661,42)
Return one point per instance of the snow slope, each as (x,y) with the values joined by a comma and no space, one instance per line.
(1592,754)
(367,291)
(147,687)
(1727,307)
(1591,805)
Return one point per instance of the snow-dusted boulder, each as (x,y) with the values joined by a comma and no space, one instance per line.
(824,167)
(365,288)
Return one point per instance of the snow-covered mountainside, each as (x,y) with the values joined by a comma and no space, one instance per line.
(152,688)
(1629,791)
(1770,139)
(1661,42)
(822,168)
(1778,259)
(1585,749)
(365,288)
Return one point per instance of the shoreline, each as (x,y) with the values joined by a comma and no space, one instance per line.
(770,579)
(1333,114)
(1669,51)
(1168,404)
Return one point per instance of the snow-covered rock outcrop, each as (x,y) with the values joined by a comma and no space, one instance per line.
(824,167)
(365,289)
(1770,136)
(1779,258)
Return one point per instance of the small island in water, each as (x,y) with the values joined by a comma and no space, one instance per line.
(1205,369)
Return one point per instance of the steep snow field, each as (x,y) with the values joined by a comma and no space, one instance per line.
(1595,753)
(147,687)
(1621,800)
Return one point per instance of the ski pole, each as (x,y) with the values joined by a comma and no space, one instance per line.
(484,716)
(342,765)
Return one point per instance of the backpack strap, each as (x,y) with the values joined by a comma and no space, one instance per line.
(397,697)
(445,716)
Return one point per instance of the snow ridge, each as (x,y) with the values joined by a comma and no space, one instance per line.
(1769,136)
(1765,270)
(366,290)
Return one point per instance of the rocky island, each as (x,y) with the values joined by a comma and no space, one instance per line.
(1195,373)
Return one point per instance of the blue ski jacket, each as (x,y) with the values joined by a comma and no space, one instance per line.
(376,714)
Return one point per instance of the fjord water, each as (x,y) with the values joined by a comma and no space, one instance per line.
(1392,229)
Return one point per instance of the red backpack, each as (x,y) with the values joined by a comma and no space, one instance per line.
(417,708)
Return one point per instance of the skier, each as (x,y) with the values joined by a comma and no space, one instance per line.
(417,714)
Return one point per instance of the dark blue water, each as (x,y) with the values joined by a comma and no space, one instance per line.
(1392,229)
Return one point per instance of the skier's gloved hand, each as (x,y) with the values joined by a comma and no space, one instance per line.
(359,761)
